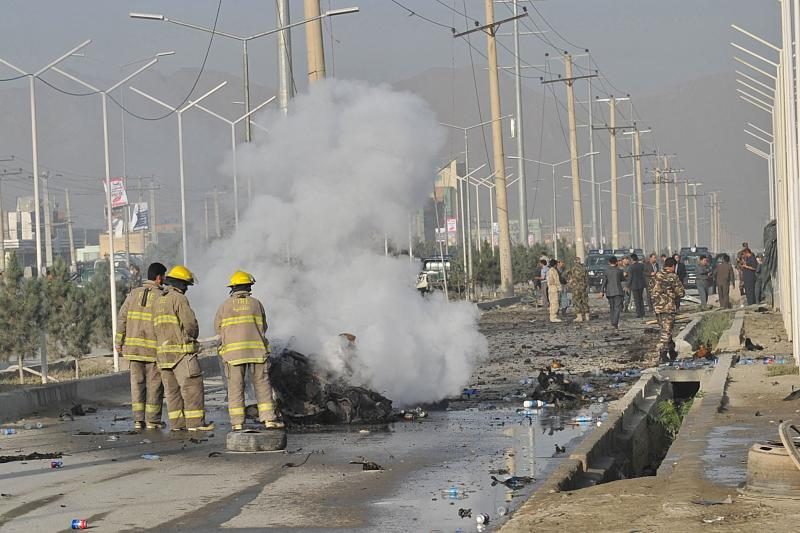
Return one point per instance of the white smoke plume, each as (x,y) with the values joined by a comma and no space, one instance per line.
(348,165)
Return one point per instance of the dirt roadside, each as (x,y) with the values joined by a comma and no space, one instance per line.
(666,503)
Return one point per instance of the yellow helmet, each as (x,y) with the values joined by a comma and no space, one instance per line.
(182,273)
(241,277)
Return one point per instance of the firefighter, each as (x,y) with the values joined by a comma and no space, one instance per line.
(241,324)
(176,332)
(136,341)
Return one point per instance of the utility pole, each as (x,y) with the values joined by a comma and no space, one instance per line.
(577,215)
(285,86)
(490,28)
(677,212)
(314,47)
(686,211)
(612,132)
(73,260)
(506,280)
(694,208)
(522,186)
(592,178)
(48,222)
(637,156)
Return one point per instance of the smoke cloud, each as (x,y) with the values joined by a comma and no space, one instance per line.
(347,167)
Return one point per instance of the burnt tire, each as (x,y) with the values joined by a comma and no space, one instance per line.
(254,440)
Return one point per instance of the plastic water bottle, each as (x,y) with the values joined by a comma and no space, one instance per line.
(454,493)
(79,524)
(482,518)
(582,419)
(56,464)
(151,457)
(9,431)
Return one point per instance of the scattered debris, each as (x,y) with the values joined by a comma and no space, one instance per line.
(295,465)
(713,520)
(118,418)
(465,513)
(560,449)
(750,346)
(151,457)
(367,465)
(514,482)
(726,501)
(197,441)
(215,454)
(30,457)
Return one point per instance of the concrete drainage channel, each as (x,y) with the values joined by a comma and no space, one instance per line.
(632,442)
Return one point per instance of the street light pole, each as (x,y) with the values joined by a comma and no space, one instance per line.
(179,113)
(522,187)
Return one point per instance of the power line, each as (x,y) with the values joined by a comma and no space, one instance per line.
(412,13)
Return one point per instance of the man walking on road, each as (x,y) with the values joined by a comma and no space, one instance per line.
(553,290)
(637,284)
(611,288)
(136,341)
(176,331)
(241,324)
(724,279)
(667,290)
(578,282)
(701,280)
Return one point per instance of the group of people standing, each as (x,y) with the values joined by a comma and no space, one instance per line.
(157,333)
(560,285)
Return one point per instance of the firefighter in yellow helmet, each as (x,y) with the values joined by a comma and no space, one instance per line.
(136,341)
(241,324)
(176,330)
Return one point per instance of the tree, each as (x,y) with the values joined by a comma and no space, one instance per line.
(23,314)
(98,305)
(70,320)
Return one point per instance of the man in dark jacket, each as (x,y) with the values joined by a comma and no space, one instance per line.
(749,267)
(683,276)
(637,284)
(611,288)
(702,280)
(724,279)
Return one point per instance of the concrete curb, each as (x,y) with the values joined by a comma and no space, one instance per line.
(698,421)
(24,402)
(732,338)
(683,341)
(502,302)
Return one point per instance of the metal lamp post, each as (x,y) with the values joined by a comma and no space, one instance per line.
(232,124)
(107,163)
(244,40)
(35,153)
(179,112)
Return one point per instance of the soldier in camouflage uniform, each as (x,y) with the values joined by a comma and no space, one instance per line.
(667,290)
(578,283)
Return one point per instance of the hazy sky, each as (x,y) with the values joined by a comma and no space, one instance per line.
(644,47)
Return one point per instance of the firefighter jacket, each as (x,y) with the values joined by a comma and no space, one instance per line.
(176,327)
(241,324)
(135,333)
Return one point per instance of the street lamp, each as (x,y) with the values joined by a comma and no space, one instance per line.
(553,168)
(35,153)
(107,161)
(232,124)
(244,40)
(465,130)
(179,112)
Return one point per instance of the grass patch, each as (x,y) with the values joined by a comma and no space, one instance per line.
(671,414)
(710,329)
(781,370)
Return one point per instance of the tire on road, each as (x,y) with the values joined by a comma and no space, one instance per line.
(253,440)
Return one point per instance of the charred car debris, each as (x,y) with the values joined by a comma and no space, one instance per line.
(308,395)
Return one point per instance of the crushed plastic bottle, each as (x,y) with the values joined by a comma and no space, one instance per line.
(79,524)
(582,419)
(482,518)
(151,457)
(454,493)
(9,431)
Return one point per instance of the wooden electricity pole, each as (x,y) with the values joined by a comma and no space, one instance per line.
(314,48)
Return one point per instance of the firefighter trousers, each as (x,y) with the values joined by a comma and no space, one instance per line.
(236,384)
(147,392)
(183,388)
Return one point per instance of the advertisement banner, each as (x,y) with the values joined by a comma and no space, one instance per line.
(140,217)
(119,198)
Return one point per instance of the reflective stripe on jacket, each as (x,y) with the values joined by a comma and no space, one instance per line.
(135,333)
(241,324)
(175,326)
